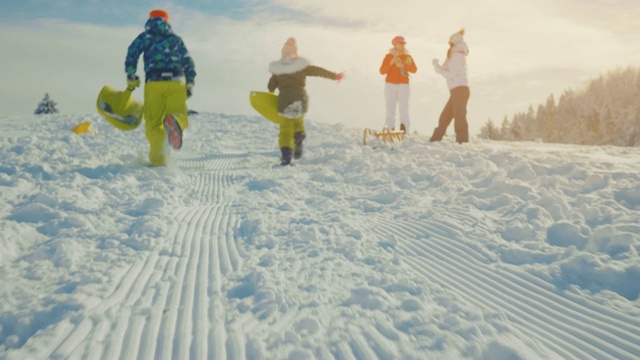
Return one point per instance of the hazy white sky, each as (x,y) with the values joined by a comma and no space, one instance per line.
(521,52)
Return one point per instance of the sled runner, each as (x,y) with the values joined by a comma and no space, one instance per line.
(386,135)
(119,109)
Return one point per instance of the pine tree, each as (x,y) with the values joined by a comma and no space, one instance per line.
(528,125)
(604,112)
(517,126)
(489,131)
(46,106)
(550,121)
(505,130)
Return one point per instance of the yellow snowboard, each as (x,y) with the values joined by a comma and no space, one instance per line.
(266,104)
(119,108)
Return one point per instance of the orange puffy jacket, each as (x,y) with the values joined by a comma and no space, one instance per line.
(394,75)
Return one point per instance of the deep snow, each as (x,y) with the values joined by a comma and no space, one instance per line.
(489,250)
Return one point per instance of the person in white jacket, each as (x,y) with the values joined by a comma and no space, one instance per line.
(454,70)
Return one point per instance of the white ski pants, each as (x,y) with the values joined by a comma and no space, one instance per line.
(397,95)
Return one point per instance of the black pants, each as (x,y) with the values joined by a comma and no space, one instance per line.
(456,108)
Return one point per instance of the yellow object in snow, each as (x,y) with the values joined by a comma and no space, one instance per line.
(82,128)
(119,109)
(266,104)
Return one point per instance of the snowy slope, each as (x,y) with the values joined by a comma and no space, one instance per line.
(485,251)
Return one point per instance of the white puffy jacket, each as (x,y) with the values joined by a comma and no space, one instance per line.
(455,68)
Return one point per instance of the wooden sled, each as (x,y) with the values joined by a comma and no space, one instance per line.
(386,135)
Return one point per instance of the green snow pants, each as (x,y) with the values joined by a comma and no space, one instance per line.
(267,105)
(162,98)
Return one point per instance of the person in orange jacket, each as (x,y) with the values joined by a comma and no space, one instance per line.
(397,65)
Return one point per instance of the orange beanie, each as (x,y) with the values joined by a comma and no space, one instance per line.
(159,13)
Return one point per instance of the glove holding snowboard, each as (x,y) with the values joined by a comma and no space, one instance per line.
(189,90)
(133,81)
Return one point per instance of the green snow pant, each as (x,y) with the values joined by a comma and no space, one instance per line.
(267,105)
(162,98)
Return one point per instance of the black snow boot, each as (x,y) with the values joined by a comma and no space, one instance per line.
(298,137)
(286,156)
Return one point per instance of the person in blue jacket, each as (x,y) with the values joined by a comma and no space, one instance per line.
(169,78)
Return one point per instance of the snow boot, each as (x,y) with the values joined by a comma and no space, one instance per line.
(462,137)
(174,133)
(286,156)
(438,134)
(298,137)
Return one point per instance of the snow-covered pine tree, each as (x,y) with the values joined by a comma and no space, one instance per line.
(46,106)
(505,130)
(489,131)
(605,112)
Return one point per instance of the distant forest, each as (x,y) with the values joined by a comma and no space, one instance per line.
(606,112)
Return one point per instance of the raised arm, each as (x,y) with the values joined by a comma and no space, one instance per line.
(312,70)
(453,67)
(410,65)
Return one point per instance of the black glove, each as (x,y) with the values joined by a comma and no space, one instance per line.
(133,81)
(189,90)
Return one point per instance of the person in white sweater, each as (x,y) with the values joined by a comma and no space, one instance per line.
(454,70)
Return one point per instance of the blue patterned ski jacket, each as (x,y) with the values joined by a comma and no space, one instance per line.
(164,52)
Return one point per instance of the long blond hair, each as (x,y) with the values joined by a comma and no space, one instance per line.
(451,44)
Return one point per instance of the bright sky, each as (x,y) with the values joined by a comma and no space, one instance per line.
(520,52)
